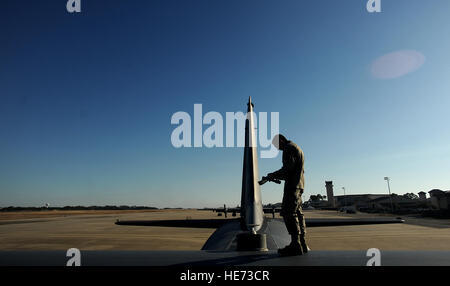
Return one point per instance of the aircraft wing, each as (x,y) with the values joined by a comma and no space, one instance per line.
(211,258)
(216,223)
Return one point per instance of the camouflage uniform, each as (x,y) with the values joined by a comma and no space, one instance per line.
(292,173)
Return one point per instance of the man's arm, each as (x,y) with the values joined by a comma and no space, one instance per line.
(288,166)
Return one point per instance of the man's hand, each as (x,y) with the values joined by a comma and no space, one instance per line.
(269,178)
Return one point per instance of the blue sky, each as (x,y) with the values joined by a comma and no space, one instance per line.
(86,99)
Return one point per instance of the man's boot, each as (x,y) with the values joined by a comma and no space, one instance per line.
(292,249)
(303,244)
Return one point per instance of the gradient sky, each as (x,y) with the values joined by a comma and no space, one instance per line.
(86,99)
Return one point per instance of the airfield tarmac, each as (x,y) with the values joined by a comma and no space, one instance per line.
(96,230)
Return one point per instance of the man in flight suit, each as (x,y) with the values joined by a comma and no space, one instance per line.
(292,173)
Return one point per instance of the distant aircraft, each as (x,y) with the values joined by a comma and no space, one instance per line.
(251,239)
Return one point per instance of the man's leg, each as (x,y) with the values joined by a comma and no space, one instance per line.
(292,226)
(294,248)
(289,213)
(302,228)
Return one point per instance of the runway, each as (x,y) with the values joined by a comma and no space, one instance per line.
(98,231)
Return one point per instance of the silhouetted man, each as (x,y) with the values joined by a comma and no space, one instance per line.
(292,173)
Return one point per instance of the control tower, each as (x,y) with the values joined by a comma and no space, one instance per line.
(330,195)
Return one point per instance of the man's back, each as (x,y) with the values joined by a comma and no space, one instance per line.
(293,163)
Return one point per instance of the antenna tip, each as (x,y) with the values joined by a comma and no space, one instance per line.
(250,102)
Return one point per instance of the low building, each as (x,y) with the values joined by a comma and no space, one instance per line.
(380,202)
(399,203)
(357,200)
(440,200)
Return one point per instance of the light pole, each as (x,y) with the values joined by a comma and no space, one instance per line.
(390,197)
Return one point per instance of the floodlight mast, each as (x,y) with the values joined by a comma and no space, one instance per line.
(390,196)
